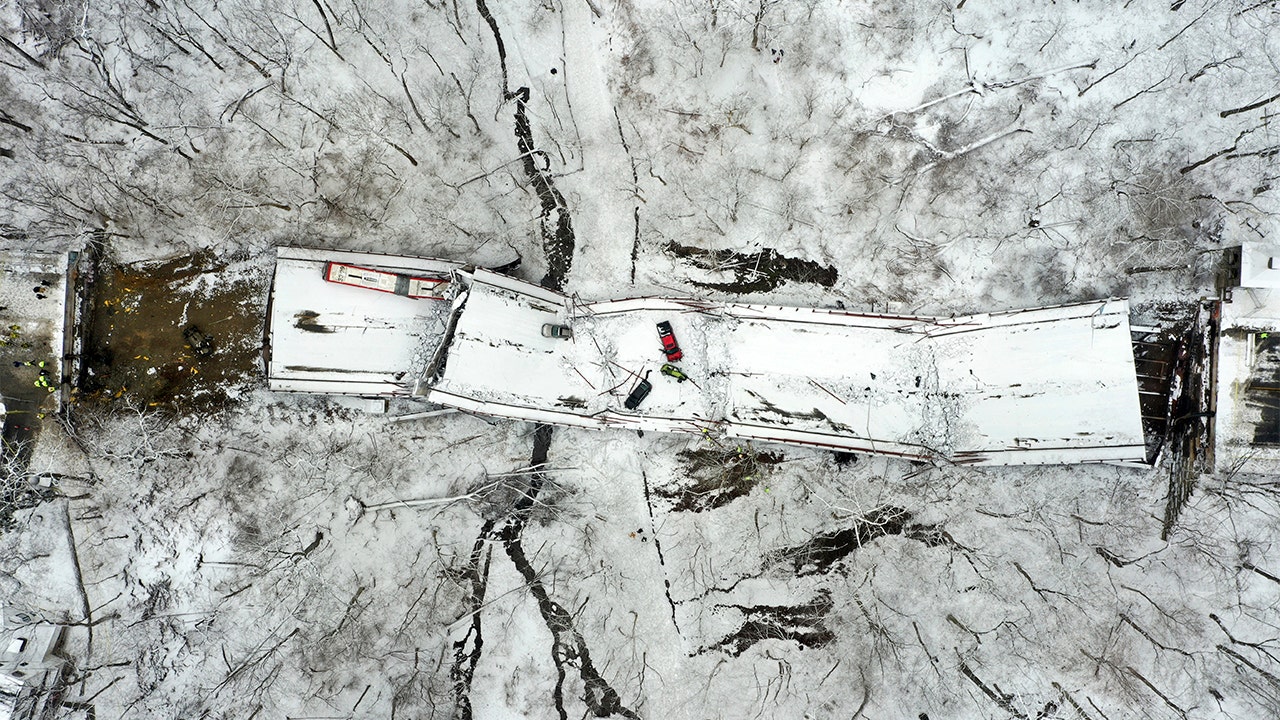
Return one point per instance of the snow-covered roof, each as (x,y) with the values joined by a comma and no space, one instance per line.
(1259,265)
(1050,385)
(331,338)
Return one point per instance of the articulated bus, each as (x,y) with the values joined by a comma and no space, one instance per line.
(415,287)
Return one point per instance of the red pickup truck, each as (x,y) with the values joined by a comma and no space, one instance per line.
(669,344)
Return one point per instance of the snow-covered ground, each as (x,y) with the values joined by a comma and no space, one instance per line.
(281,557)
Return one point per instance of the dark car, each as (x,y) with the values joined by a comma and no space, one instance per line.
(669,344)
(200,343)
(638,393)
(564,332)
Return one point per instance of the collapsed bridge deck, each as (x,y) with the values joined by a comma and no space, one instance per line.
(1040,386)
(1047,385)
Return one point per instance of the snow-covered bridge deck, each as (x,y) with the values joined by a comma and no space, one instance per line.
(325,337)
(1047,385)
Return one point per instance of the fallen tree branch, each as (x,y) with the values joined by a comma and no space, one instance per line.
(980,88)
(975,145)
(1251,106)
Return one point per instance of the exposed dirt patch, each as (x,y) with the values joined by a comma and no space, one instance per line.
(1172,366)
(306,320)
(752,273)
(141,350)
(468,650)
(717,476)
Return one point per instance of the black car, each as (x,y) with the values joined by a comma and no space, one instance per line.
(638,393)
(200,343)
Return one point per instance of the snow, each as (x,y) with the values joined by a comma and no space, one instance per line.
(1052,385)
(333,338)
(39,320)
(1048,385)
(1259,265)
(383,125)
(575,107)
(1251,315)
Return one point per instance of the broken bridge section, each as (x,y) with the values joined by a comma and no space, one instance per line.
(333,337)
(1042,386)
(1051,385)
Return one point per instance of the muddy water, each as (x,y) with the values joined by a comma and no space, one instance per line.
(136,352)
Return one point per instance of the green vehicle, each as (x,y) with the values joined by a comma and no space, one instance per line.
(673,371)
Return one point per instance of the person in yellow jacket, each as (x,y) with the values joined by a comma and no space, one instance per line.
(42,380)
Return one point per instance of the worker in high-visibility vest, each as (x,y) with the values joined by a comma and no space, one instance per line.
(42,380)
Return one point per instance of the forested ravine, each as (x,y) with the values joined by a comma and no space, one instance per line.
(569,649)
(555,223)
